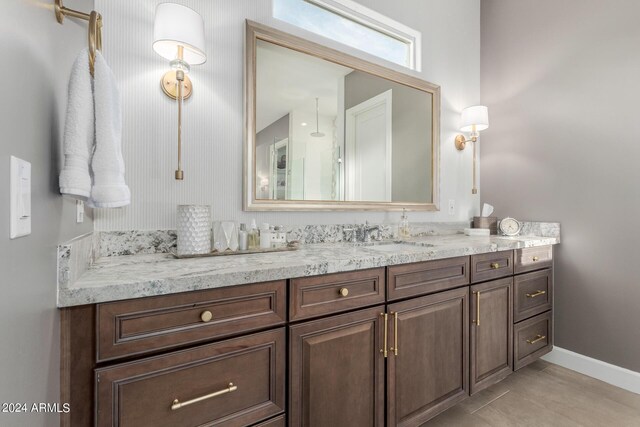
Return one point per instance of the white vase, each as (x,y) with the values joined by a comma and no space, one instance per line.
(194,229)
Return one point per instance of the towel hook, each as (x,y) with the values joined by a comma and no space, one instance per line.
(95,28)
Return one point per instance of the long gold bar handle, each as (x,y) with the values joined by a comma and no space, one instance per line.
(383,350)
(177,404)
(395,334)
(477,321)
(538,338)
(536,294)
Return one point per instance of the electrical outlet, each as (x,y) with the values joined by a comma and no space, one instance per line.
(79,211)
(452,207)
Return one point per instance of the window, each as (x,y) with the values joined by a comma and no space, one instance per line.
(348,22)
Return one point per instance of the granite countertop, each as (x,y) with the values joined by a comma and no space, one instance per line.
(134,276)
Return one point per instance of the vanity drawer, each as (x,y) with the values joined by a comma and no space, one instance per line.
(273,422)
(532,338)
(529,259)
(144,393)
(334,293)
(491,266)
(533,294)
(143,325)
(426,277)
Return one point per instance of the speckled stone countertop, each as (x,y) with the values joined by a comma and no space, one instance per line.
(135,276)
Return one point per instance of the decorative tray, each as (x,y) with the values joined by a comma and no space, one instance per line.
(225,253)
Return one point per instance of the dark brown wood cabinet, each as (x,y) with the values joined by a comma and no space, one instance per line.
(428,362)
(336,371)
(491,333)
(231,383)
(421,278)
(532,338)
(491,266)
(390,346)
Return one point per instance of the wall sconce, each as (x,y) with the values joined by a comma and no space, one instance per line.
(178,35)
(474,120)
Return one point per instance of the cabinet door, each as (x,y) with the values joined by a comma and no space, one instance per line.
(337,371)
(428,368)
(491,333)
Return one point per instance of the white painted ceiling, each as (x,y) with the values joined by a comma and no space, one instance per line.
(287,80)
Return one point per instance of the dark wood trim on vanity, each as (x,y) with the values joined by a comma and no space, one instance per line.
(77,360)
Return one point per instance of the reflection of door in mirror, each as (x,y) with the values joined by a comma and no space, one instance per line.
(368,153)
(278,176)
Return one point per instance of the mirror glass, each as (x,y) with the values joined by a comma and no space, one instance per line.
(328,132)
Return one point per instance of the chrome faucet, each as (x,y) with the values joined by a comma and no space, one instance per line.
(367,229)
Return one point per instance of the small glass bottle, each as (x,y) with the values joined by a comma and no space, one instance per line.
(403,228)
(254,237)
(243,238)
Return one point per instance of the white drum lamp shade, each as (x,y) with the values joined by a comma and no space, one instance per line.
(477,115)
(176,25)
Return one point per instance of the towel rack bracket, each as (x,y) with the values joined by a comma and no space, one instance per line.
(62,11)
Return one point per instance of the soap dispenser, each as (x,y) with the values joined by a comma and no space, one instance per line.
(254,237)
(403,228)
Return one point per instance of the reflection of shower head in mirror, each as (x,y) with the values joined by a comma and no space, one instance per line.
(317,133)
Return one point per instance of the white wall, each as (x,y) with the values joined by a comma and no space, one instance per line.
(213,120)
(37,54)
(561,82)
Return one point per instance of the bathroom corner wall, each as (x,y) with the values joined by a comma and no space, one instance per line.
(37,54)
(213,117)
(560,79)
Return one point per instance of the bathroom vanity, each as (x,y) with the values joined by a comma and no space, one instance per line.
(389,334)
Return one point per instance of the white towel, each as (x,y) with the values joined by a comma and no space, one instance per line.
(109,188)
(75,179)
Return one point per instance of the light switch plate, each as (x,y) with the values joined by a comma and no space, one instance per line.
(20,195)
(79,211)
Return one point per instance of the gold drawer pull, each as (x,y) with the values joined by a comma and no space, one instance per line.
(538,338)
(477,320)
(535,259)
(395,334)
(343,292)
(495,265)
(206,316)
(536,294)
(383,350)
(177,404)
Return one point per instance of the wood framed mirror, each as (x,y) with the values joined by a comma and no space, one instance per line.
(325,130)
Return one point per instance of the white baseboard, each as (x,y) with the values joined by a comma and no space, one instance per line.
(612,374)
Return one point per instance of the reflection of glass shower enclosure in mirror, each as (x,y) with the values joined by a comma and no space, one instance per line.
(338,134)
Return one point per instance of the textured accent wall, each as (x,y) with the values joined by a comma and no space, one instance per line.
(563,95)
(213,119)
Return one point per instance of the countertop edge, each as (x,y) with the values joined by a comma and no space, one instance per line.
(82,294)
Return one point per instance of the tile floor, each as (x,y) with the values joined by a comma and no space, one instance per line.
(544,394)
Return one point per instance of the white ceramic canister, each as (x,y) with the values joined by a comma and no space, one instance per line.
(194,229)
